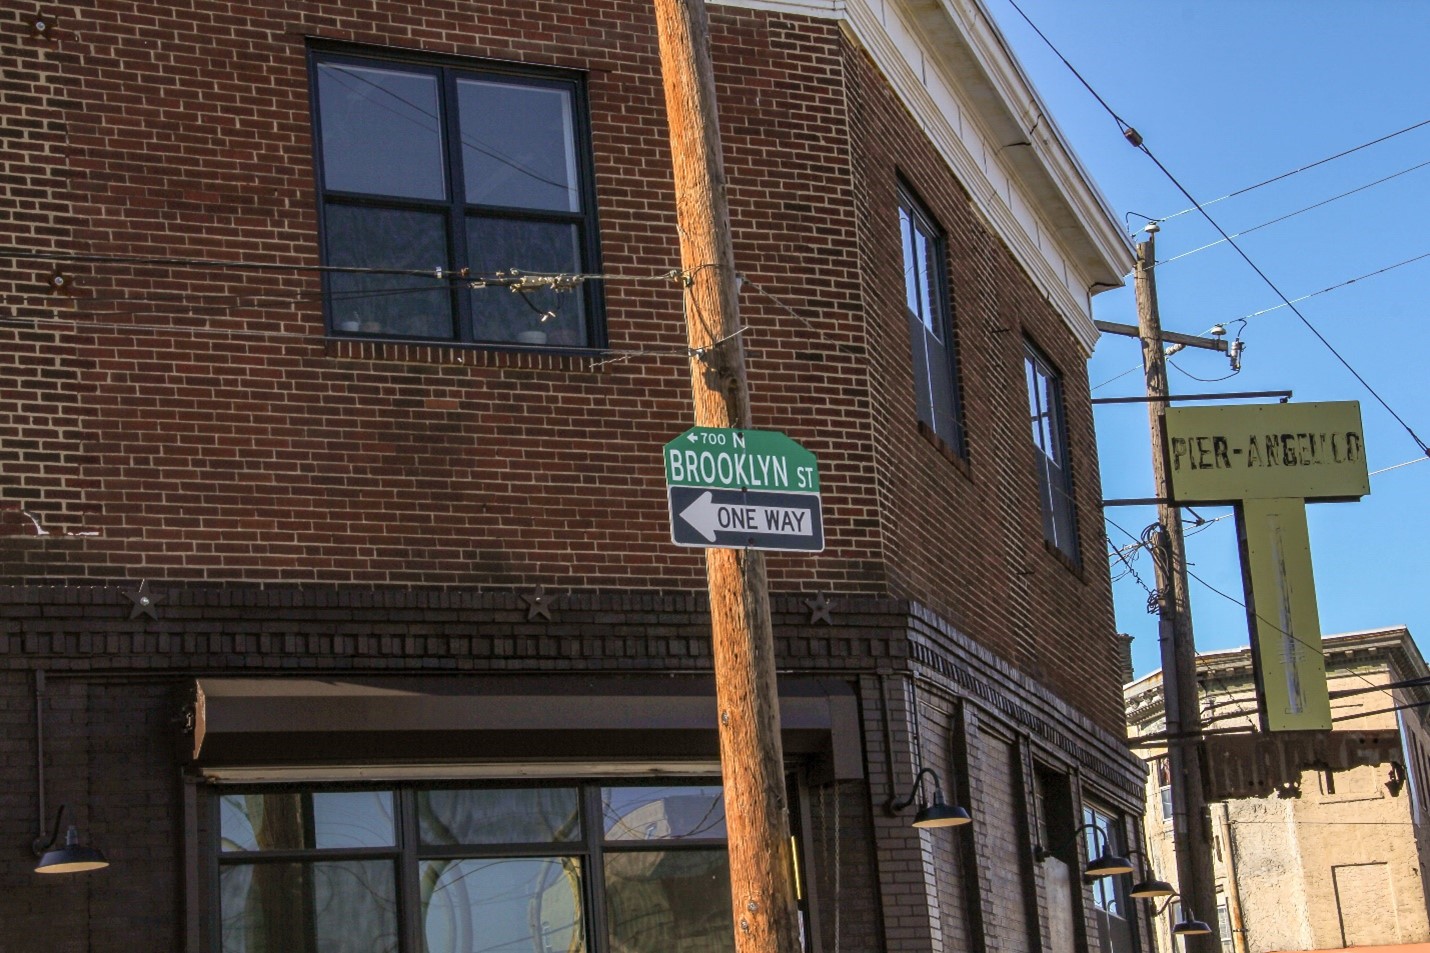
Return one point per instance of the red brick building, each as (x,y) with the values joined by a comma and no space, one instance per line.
(340,604)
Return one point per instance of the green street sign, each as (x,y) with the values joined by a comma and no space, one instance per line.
(728,459)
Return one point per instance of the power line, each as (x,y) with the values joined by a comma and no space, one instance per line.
(1143,543)
(1284,175)
(1301,211)
(1256,314)
(1398,466)
(1287,301)
(1319,649)
(1135,138)
(1336,287)
(1153,597)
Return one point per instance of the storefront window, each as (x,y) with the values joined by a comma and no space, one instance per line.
(475,869)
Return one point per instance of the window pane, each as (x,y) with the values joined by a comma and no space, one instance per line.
(295,821)
(532,317)
(518,146)
(940,383)
(498,816)
(663,813)
(911,281)
(363,237)
(380,131)
(659,901)
(929,308)
(1035,403)
(321,907)
(475,906)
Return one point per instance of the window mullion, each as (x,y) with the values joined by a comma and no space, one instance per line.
(456,206)
(594,828)
(409,880)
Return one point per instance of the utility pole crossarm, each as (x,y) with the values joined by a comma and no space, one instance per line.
(1169,337)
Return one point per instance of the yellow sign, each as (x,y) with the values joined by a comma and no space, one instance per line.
(1230,453)
(1268,460)
(1285,624)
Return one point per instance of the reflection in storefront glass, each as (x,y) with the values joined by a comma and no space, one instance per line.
(663,813)
(491,905)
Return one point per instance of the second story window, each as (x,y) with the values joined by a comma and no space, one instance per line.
(926,304)
(426,165)
(1045,403)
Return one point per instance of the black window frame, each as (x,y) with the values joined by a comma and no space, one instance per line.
(1112,902)
(457,211)
(928,308)
(1049,437)
(591,847)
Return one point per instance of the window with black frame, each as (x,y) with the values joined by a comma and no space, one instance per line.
(1045,403)
(427,165)
(1103,832)
(606,868)
(930,315)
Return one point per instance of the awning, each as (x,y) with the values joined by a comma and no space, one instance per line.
(436,721)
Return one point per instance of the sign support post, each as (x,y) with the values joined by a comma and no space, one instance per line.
(742,634)
(1191,821)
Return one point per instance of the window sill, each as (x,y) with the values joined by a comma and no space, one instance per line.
(470,355)
(1070,564)
(947,451)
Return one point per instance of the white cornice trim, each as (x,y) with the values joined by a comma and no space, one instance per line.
(951,68)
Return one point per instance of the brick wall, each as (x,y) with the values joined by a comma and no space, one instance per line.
(198,422)
(300,504)
(964,534)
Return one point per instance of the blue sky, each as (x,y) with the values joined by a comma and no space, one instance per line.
(1228,94)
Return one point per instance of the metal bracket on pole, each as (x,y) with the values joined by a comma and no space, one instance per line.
(1282,395)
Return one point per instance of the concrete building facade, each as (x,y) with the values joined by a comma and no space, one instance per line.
(1320,842)
(340,606)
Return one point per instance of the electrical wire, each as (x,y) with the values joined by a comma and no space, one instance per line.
(1335,287)
(1135,138)
(1256,314)
(1153,595)
(1285,175)
(1204,380)
(1398,466)
(1317,648)
(1290,215)
(1425,448)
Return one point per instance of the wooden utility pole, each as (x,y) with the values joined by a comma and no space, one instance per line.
(1191,823)
(751,755)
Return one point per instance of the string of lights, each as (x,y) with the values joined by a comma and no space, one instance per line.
(516,280)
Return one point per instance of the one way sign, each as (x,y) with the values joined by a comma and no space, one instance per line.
(745,519)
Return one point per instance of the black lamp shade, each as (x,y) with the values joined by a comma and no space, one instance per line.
(1108,865)
(72,858)
(939,814)
(1150,888)
(1191,928)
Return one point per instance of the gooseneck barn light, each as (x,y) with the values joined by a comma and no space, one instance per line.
(1149,887)
(1105,864)
(935,813)
(72,857)
(1189,925)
